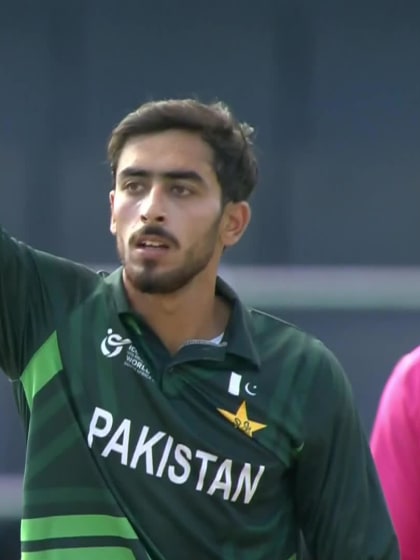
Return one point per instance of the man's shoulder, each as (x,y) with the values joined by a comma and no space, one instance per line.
(294,361)
(271,321)
(266,323)
(57,264)
(68,274)
(284,335)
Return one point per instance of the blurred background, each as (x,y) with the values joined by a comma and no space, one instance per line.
(333,90)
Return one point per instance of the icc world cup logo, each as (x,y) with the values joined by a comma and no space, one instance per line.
(113,343)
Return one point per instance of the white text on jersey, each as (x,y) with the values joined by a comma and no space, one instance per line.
(160,456)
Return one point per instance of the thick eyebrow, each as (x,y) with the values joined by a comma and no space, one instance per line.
(181,174)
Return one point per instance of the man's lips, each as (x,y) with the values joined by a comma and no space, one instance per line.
(152,242)
(153,237)
(151,251)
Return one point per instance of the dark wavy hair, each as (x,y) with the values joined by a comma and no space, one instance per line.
(235,162)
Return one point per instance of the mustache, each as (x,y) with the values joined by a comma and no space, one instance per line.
(152,230)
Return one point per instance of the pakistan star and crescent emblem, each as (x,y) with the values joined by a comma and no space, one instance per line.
(241,421)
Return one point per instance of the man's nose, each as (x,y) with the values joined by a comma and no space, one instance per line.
(153,205)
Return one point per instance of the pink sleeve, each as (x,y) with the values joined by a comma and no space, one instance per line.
(395,444)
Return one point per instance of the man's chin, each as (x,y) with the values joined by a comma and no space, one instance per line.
(148,282)
(143,280)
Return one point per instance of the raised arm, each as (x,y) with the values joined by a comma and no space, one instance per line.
(36,291)
(339,499)
(18,282)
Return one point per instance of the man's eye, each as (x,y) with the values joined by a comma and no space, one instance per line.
(133,187)
(181,190)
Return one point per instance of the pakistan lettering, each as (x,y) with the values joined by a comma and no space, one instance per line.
(160,456)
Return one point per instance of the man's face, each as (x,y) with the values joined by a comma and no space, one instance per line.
(166,211)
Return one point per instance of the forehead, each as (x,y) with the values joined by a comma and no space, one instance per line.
(168,150)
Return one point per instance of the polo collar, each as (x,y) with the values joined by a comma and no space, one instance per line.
(238,334)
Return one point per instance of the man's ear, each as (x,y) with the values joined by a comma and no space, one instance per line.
(112,226)
(236,217)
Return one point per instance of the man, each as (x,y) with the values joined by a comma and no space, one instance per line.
(395,446)
(165,420)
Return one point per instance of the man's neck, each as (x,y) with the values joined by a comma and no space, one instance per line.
(195,312)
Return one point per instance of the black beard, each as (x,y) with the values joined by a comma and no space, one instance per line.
(149,280)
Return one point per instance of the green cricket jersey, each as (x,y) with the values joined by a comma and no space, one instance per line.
(222,451)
